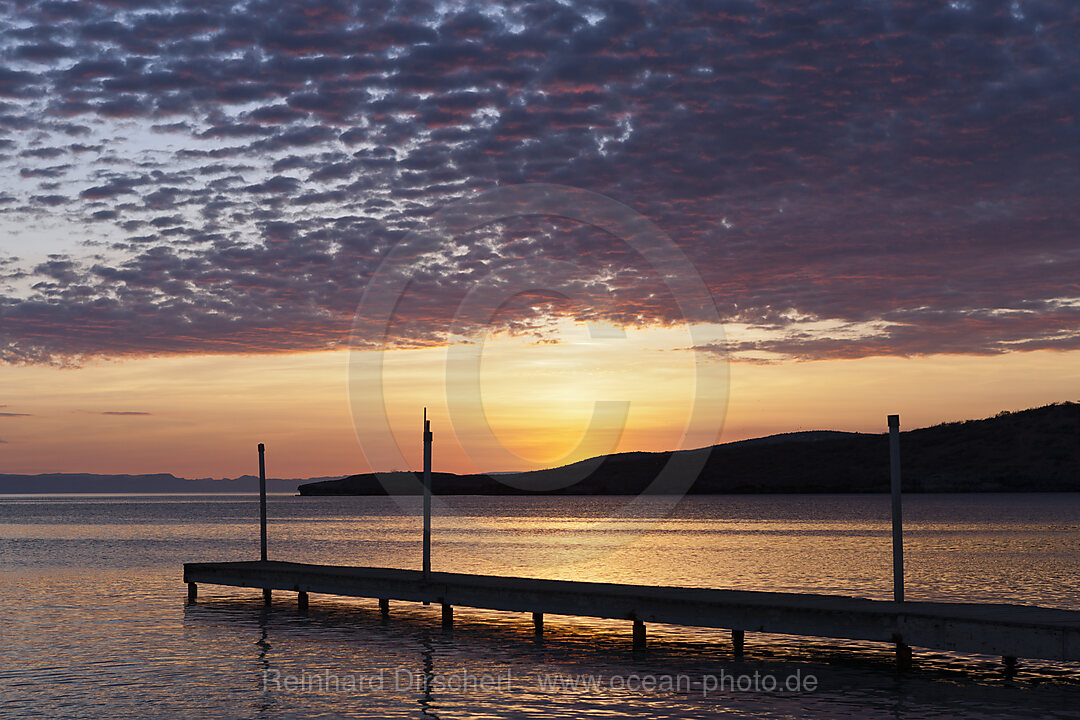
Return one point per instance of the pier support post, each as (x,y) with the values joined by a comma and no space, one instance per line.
(903,657)
(1010,665)
(639,635)
(447,616)
(897,519)
(262,502)
(427,497)
(538,625)
(266,596)
(384,607)
(302,601)
(192,592)
(738,638)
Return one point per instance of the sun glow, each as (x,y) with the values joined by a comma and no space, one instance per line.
(203,416)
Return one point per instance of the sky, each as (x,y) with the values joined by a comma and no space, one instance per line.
(564,227)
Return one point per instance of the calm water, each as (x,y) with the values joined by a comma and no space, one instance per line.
(93,621)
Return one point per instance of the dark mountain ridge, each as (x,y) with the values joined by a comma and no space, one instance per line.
(1035,450)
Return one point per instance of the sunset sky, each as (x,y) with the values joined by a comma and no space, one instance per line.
(301,223)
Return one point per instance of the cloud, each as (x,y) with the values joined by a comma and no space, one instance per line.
(241,171)
(125,412)
(7,414)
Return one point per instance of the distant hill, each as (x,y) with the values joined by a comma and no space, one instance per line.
(133,484)
(1034,450)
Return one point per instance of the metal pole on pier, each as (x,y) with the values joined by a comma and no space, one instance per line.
(262,501)
(427,496)
(897,521)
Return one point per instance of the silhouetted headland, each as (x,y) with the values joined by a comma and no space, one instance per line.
(1035,450)
(136,484)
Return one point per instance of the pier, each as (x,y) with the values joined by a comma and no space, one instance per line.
(1008,631)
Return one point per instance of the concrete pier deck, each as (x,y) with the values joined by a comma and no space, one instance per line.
(1010,631)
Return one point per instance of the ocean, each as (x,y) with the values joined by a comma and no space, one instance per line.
(94,623)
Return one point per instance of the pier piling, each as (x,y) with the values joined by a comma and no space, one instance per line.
(897,520)
(427,496)
(384,607)
(639,635)
(302,601)
(266,596)
(192,592)
(737,642)
(447,616)
(538,625)
(903,657)
(262,502)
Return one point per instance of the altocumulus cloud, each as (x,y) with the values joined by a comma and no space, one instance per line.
(896,177)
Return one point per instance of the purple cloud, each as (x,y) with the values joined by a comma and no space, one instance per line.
(887,179)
